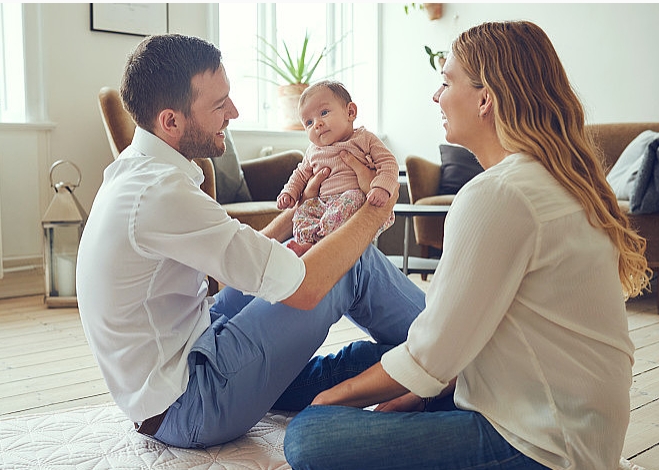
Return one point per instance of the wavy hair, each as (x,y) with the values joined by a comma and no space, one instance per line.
(537,112)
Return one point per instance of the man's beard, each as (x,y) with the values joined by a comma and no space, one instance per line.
(196,143)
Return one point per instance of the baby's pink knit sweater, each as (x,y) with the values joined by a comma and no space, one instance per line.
(365,146)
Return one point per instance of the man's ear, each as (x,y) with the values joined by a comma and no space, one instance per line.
(169,123)
(352,111)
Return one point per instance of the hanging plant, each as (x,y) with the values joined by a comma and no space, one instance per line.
(434,10)
(437,59)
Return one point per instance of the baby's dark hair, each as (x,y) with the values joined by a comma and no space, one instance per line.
(337,89)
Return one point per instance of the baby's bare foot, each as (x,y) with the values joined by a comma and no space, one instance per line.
(298,248)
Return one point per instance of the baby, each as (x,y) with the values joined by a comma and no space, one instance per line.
(328,113)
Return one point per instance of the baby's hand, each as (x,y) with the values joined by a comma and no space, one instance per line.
(378,197)
(285,201)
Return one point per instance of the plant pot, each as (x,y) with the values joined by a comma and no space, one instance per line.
(434,10)
(289,97)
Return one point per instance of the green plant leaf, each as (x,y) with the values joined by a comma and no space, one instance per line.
(294,70)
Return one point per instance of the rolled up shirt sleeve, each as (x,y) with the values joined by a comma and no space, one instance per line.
(283,274)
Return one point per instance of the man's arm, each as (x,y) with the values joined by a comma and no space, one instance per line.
(327,261)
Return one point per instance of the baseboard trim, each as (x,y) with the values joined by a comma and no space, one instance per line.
(22,277)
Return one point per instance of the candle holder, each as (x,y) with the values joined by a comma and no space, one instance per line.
(62,225)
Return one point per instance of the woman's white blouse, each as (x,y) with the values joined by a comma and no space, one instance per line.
(526,308)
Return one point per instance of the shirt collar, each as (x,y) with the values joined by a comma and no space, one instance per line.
(147,143)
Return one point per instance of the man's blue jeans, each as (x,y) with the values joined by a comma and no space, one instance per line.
(253,350)
(344,438)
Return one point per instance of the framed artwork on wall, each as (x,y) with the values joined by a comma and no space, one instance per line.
(138,19)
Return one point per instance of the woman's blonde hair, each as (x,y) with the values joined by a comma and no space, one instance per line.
(537,112)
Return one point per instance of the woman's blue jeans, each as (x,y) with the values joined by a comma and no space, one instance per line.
(344,438)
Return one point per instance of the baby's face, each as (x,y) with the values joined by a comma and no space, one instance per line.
(326,119)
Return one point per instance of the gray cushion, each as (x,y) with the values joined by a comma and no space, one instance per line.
(230,182)
(459,165)
(624,173)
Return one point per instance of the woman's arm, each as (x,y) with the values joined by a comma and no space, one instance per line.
(372,386)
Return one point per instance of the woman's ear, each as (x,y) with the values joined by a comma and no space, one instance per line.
(485,105)
(352,111)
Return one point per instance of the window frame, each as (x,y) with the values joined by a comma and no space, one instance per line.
(359,52)
(29,81)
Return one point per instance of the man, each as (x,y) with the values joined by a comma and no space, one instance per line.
(187,374)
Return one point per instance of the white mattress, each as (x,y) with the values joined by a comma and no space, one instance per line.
(101,437)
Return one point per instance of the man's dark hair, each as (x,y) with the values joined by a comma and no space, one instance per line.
(158,75)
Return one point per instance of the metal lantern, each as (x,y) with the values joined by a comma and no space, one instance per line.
(62,228)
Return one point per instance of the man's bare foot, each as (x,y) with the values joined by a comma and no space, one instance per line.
(299,248)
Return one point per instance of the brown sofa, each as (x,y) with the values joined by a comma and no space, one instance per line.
(424,177)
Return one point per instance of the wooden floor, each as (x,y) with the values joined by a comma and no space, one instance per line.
(46,365)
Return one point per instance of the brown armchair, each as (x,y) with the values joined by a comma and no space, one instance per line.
(265,177)
(424,177)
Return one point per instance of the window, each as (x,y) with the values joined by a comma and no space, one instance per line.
(353,61)
(12,68)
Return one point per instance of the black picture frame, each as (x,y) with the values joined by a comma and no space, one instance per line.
(135,19)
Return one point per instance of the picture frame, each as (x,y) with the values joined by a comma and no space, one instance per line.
(136,19)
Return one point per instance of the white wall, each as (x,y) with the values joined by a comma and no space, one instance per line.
(609,51)
(77,62)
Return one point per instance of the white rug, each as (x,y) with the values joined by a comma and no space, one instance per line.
(101,438)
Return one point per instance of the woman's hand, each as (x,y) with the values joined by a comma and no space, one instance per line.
(407,402)
(372,386)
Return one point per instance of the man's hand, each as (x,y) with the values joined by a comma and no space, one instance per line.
(313,185)
(364,174)
(281,228)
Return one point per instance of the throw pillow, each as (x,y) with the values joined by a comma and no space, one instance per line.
(459,165)
(644,198)
(624,173)
(230,183)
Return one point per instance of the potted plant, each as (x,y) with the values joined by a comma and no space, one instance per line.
(296,72)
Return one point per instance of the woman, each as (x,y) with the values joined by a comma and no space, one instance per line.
(527,306)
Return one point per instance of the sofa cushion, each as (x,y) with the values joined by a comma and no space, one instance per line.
(230,182)
(459,165)
(644,198)
(624,173)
